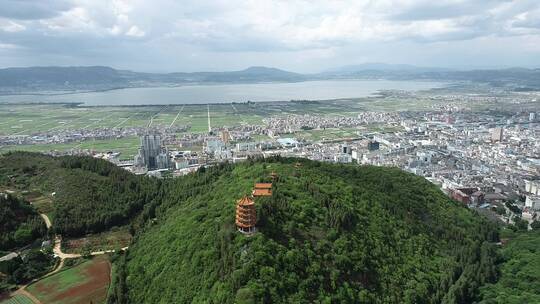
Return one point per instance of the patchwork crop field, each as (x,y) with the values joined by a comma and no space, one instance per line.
(84,283)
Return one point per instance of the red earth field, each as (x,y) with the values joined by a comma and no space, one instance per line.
(85,283)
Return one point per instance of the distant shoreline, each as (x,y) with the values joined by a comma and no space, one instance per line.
(82,104)
(226,93)
(194,84)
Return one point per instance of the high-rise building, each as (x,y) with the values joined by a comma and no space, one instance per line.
(152,154)
(497,134)
(532,116)
(346,149)
(532,186)
(225,136)
(215,145)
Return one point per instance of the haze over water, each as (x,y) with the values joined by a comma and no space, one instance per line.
(226,93)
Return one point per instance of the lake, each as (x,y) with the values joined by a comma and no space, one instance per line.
(226,93)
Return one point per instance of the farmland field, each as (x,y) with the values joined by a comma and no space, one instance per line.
(50,119)
(84,283)
(42,203)
(17,299)
(53,119)
(28,119)
(40,118)
(127,146)
(117,237)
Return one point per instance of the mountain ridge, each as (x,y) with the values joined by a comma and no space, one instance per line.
(20,80)
(379,66)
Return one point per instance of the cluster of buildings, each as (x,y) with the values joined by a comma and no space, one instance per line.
(483,158)
(295,123)
(66,135)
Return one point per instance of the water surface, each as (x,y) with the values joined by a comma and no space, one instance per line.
(226,93)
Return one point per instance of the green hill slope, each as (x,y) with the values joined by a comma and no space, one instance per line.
(91,195)
(329,234)
(519,280)
(19,223)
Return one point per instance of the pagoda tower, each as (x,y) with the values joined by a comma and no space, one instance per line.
(246,215)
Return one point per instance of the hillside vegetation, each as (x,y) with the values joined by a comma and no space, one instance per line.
(329,234)
(519,280)
(91,195)
(19,223)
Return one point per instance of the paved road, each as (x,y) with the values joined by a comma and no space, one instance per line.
(172,123)
(209,126)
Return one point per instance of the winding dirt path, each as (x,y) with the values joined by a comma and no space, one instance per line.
(57,249)
(46,219)
(25,293)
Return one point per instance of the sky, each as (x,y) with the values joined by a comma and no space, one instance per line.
(297,35)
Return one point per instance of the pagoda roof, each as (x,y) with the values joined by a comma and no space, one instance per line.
(245,201)
(263,185)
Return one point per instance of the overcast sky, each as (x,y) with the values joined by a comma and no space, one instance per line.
(302,36)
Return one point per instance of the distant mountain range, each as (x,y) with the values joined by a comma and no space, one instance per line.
(383,67)
(92,78)
(517,78)
(34,79)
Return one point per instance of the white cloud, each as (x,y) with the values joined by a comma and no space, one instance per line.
(8,46)
(313,29)
(11,26)
(134,31)
(297,24)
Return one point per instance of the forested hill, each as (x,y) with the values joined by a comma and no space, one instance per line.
(329,234)
(19,223)
(91,195)
(519,278)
